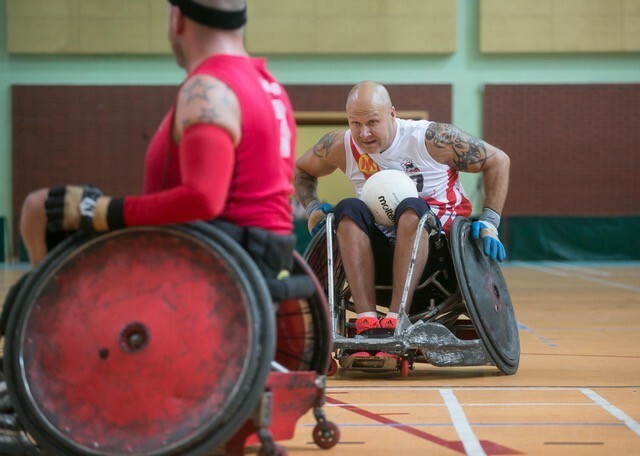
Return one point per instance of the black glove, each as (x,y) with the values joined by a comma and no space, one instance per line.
(73,207)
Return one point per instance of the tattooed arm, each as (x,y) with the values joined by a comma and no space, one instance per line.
(322,159)
(451,146)
(205,99)
(207,129)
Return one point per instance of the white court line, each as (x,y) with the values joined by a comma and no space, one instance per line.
(581,268)
(585,277)
(347,389)
(612,409)
(496,404)
(545,269)
(469,440)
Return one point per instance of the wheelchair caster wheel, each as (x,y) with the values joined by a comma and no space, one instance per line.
(326,435)
(333,368)
(405,367)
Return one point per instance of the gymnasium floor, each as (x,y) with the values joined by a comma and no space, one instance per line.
(577,390)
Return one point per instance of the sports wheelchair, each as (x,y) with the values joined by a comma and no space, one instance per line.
(164,341)
(461,313)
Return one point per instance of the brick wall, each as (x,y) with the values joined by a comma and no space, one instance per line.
(574,149)
(99,134)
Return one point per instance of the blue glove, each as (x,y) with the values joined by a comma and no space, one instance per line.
(318,218)
(491,245)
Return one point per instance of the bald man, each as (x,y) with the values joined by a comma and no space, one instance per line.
(431,154)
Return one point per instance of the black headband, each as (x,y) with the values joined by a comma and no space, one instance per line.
(212,17)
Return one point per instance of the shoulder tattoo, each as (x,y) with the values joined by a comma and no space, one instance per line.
(196,89)
(323,147)
(467,149)
(202,99)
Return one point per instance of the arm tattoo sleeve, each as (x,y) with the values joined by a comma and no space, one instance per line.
(323,147)
(306,187)
(467,149)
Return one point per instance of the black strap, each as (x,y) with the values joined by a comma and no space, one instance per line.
(211,17)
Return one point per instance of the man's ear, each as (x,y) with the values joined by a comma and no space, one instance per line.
(181,23)
(393,112)
(177,20)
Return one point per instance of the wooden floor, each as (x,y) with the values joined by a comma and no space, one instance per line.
(577,390)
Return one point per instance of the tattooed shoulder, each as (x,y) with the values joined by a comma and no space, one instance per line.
(323,147)
(465,152)
(202,100)
(196,88)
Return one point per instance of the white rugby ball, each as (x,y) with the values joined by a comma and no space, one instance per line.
(383,191)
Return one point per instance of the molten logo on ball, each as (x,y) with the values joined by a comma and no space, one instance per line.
(383,191)
(385,207)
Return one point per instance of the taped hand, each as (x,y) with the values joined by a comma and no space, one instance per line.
(318,217)
(74,207)
(491,245)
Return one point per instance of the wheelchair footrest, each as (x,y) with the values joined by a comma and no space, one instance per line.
(436,343)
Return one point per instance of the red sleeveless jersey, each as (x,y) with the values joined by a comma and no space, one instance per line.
(260,186)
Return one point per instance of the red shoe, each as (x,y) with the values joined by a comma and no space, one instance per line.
(365,323)
(388,323)
(382,354)
(361,354)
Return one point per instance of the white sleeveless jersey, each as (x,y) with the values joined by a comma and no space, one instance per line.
(438,184)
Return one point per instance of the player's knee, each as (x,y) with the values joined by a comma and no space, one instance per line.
(33,208)
(355,210)
(409,212)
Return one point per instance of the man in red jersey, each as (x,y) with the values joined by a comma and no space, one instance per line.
(224,151)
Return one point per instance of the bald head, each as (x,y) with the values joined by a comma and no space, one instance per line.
(371,117)
(368,95)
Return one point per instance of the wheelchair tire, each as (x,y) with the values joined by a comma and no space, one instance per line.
(316,257)
(486,297)
(303,333)
(303,329)
(150,340)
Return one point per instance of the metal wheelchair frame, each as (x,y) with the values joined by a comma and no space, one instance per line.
(415,337)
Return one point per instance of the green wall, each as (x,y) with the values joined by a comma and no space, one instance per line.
(467,70)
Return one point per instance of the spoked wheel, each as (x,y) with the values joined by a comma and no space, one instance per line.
(154,340)
(316,256)
(302,325)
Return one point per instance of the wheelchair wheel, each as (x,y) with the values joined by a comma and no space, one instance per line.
(302,326)
(316,257)
(486,297)
(151,340)
(303,333)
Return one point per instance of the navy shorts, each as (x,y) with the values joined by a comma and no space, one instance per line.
(381,244)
